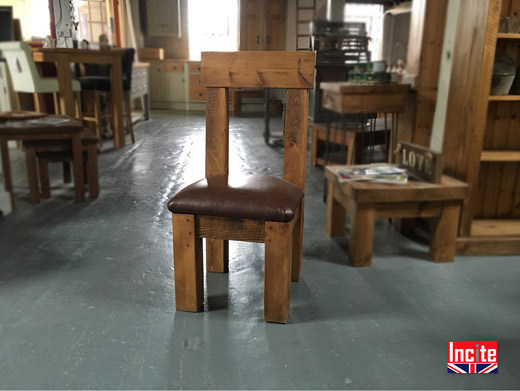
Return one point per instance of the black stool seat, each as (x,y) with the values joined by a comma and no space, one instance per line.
(253,197)
(94,83)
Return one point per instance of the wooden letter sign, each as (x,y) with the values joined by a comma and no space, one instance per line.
(421,162)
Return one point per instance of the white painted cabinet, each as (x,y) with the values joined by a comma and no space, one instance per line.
(168,85)
(162,18)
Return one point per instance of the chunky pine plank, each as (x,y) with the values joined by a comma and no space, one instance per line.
(278,259)
(266,69)
(187,260)
(295,145)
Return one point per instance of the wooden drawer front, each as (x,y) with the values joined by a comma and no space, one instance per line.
(197,90)
(173,67)
(194,68)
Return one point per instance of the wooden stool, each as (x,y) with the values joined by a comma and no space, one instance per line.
(241,93)
(59,151)
(367,201)
(353,139)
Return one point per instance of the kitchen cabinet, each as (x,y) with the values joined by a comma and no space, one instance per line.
(262,24)
(162,18)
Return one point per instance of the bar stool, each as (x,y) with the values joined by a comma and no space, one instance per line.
(99,81)
(26,78)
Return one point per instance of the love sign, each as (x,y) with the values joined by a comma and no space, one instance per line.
(419,161)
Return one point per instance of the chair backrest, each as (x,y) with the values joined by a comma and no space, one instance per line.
(262,69)
(21,65)
(127,62)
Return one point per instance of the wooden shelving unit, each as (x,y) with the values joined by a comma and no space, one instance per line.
(508,36)
(500,156)
(490,222)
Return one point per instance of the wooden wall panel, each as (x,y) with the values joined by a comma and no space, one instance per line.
(433,36)
(467,82)
(469,91)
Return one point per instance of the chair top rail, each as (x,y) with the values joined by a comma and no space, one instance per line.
(261,69)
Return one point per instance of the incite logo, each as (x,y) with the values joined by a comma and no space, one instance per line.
(472,356)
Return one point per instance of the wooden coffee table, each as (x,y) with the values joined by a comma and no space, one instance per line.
(42,129)
(367,201)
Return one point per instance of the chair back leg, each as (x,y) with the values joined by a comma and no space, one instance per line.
(128,115)
(217,255)
(43,169)
(92,171)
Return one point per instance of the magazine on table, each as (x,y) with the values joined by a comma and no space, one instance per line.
(382,172)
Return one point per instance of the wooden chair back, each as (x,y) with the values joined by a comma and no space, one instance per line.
(22,68)
(293,71)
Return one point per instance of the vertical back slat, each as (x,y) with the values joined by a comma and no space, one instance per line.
(217,132)
(295,153)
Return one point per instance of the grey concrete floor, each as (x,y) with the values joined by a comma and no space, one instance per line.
(87,290)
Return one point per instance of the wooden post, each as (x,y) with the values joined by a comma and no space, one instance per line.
(450,34)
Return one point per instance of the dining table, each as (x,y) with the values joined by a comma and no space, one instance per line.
(64,57)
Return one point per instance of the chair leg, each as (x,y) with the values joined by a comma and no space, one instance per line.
(128,115)
(187,263)
(32,174)
(43,169)
(77,103)
(98,118)
(92,164)
(351,142)
(39,103)
(56,103)
(297,241)
(217,255)
(67,176)
(278,260)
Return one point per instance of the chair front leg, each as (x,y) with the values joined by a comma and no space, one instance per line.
(277,275)
(187,261)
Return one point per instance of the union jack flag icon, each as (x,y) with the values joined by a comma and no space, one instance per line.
(472,368)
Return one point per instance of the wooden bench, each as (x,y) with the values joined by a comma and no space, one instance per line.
(367,201)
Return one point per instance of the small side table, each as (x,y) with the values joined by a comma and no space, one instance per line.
(25,130)
(367,201)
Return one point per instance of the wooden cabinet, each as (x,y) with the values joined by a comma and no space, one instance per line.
(156,82)
(197,91)
(262,24)
(167,83)
(482,137)
(162,18)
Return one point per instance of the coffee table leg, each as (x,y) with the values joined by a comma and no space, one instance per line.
(336,214)
(32,174)
(77,157)
(361,235)
(444,233)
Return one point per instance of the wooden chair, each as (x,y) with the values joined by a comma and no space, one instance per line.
(97,82)
(245,208)
(26,79)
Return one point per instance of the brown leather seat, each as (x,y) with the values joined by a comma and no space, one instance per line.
(242,197)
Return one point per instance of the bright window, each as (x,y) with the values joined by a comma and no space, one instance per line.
(372,15)
(212,26)
(92,19)
(34,17)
